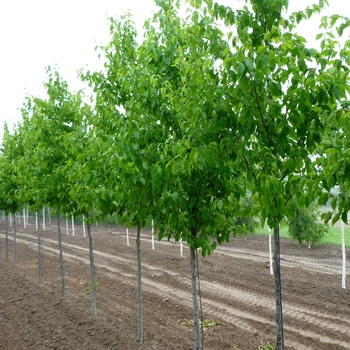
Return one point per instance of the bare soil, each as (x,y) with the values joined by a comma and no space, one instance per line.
(236,285)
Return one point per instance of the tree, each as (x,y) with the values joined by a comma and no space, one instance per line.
(46,123)
(305,226)
(270,94)
(166,160)
(10,184)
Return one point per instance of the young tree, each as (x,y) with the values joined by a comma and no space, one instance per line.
(10,185)
(46,122)
(165,157)
(268,91)
(305,226)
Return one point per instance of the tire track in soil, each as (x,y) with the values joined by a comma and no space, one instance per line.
(326,266)
(229,314)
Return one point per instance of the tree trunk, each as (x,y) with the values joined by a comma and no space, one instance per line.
(152,235)
(61,253)
(270,253)
(24,219)
(92,268)
(40,270)
(73,227)
(194,299)
(7,238)
(84,225)
(139,286)
(343,278)
(278,289)
(14,242)
(44,227)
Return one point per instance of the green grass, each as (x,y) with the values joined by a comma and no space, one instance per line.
(333,237)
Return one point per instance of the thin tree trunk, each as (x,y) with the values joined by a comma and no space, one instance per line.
(73,229)
(61,253)
(48,210)
(127,237)
(44,227)
(139,286)
(343,278)
(14,242)
(24,219)
(7,238)
(92,268)
(10,220)
(270,252)
(152,235)
(84,225)
(278,289)
(40,271)
(194,299)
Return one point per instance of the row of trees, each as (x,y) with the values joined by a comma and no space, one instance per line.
(206,111)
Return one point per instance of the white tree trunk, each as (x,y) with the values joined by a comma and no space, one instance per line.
(73,229)
(27,216)
(84,225)
(127,237)
(343,278)
(270,252)
(24,219)
(14,242)
(152,235)
(44,227)
(36,220)
(48,210)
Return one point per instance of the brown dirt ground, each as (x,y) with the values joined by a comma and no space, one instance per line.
(237,290)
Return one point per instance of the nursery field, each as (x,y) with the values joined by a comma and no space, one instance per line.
(236,285)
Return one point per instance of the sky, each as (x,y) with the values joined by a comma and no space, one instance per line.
(38,33)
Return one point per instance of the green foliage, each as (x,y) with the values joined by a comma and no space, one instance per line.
(266,346)
(11,151)
(247,223)
(204,325)
(305,226)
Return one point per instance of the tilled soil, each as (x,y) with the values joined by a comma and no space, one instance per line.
(236,286)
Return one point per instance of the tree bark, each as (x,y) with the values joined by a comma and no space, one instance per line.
(139,288)
(278,289)
(40,270)
(61,253)
(343,251)
(14,242)
(194,299)
(92,268)
(7,238)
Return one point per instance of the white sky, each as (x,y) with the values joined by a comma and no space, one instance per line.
(38,33)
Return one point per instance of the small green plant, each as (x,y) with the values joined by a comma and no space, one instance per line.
(203,325)
(96,285)
(88,285)
(266,346)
